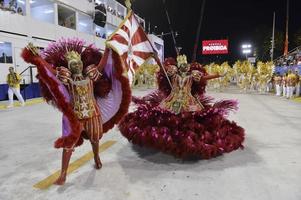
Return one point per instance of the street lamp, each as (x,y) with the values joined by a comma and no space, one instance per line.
(246,49)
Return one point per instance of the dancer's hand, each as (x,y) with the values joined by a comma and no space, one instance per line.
(93,73)
(63,74)
(34,50)
(224,74)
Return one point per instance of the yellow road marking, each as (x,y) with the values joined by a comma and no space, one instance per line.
(47,182)
(297,99)
(27,103)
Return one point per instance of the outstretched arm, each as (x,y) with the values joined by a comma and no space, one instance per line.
(199,76)
(31,55)
(209,77)
(59,95)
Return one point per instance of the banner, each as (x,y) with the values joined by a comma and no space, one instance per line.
(215,47)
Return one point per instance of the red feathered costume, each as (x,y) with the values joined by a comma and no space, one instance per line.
(181,121)
(88,88)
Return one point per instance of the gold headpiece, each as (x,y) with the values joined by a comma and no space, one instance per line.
(72,55)
(181,59)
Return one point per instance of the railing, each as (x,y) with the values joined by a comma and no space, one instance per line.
(24,85)
(30,73)
(290,52)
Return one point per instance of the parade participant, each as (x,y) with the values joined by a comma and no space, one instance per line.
(284,85)
(180,120)
(277,81)
(291,84)
(87,88)
(244,71)
(265,71)
(13,80)
(298,78)
(254,81)
(222,82)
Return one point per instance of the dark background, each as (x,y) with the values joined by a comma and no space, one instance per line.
(240,21)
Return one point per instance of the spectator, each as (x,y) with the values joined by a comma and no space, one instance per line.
(13,80)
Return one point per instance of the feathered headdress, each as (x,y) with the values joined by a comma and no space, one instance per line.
(56,53)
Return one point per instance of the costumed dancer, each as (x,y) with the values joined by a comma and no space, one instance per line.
(298,79)
(87,88)
(291,83)
(244,71)
(265,74)
(254,80)
(284,85)
(237,72)
(222,82)
(277,80)
(180,120)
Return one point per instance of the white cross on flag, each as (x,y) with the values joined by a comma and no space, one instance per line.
(131,43)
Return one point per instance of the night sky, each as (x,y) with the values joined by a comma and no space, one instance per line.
(235,20)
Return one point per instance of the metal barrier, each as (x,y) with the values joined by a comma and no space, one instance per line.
(24,85)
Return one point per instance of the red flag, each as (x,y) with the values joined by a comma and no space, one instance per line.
(131,43)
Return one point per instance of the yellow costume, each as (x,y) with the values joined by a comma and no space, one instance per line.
(13,80)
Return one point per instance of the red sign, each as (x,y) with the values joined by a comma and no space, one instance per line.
(215,47)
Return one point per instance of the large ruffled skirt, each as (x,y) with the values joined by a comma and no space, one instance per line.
(204,134)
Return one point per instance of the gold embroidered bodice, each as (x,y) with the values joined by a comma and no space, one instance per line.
(83,98)
(180,98)
(81,91)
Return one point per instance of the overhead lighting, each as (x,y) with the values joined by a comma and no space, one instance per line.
(1,42)
(32,1)
(21,2)
(83,24)
(246,46)
(246,51)
(48,11)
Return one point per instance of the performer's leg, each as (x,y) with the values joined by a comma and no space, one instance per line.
(95,147)
(298,90)
(94,129)
(65,163)
(280,90)
(19,96)
(292,92)
(277,90)
(10,97)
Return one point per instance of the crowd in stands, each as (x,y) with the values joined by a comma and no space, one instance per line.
(12,7)
(292,59)
(111,10)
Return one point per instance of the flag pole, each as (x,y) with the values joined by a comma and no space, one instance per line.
(128,4)
(286,32)
(164,70)
(171,30)
(273,38)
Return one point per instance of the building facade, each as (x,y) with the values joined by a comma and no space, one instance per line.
(44,21)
